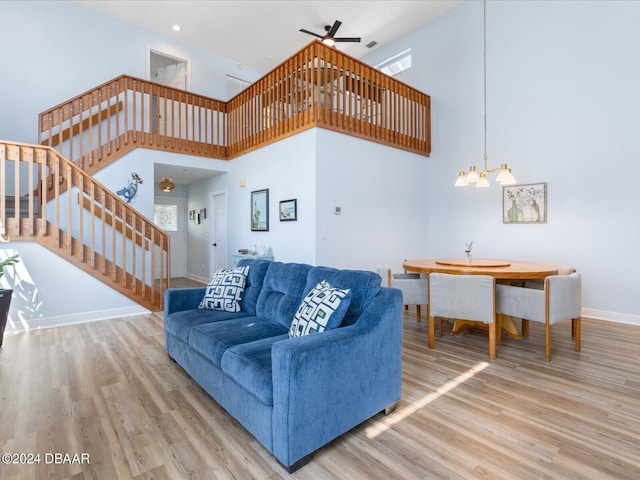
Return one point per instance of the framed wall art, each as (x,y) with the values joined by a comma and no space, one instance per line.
(524,203)
(260,210)
(289,210)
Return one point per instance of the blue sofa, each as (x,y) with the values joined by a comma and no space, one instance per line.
(294,395)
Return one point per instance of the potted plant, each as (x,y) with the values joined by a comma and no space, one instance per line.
(5,296)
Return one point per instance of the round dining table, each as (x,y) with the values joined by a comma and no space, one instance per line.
(504,271)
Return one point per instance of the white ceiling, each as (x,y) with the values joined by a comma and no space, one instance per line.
(262,34)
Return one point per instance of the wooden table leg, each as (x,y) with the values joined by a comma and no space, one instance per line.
(506,325)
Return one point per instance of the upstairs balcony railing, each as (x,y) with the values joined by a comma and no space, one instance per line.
(103,124)
(317,87)
(322,87)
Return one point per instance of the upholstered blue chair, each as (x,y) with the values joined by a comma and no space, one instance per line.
(413,286)
(559,300)
(463,297)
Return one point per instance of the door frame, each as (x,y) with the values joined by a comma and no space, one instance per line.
(213,229)
(182,205)
(160,53)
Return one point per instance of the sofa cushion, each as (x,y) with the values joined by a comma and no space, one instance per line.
(282,292)
(364,287)
(212,339)
(323,308)
(179,324)
(249,365)
(254,282)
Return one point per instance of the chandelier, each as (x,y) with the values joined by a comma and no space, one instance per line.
(166,185)
(504,172)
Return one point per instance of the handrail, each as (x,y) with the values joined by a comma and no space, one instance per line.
(318,86)
(322,87)
(88,233)
(106,122)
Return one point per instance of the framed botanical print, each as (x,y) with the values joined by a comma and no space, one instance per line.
(524,203)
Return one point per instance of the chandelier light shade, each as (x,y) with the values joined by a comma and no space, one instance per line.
(166,185)
(504,172)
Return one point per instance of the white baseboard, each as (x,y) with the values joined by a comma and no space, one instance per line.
(611,316)
(204,280)
(73,319)
(63,320)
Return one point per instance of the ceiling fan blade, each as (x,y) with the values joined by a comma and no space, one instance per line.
(347,39)
(311,33)
(334,29)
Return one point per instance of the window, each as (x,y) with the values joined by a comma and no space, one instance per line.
(235,86)
(166,217)
(396,64)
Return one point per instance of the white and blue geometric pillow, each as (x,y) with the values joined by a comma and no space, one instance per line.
(322,309)
(225,290)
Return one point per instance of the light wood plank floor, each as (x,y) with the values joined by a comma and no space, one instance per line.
(107,389)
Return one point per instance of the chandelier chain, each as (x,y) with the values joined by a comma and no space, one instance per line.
(484,81)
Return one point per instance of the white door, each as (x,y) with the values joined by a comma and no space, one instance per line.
(170,214)
(218,229)
(172,72)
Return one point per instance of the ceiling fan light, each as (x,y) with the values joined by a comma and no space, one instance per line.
(166,185)
(329,41)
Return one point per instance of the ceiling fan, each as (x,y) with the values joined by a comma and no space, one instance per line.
(329,38)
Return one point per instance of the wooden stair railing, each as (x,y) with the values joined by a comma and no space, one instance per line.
(100,234)
(101,125)
(318,86)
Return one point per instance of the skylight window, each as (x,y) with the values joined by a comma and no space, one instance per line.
(396,64)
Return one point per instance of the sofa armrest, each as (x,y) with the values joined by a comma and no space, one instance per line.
(325,384)
(179,299)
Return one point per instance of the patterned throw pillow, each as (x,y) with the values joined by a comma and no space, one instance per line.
(225,290)
(322,309)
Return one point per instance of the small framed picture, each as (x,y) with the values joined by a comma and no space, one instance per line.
(260,210)
(289,210)
(524,203)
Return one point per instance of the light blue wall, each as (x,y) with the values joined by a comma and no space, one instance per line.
(383,200)
(379,189)
(288,169)
(563,107)
(48,291)
(53,51)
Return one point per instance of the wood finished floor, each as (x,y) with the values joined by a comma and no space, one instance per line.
(107,389)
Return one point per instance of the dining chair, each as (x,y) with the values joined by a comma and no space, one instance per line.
(559,300)
(463,297)
(539,284)
(413,285)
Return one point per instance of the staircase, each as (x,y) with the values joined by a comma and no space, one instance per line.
(67,211)
(48,194)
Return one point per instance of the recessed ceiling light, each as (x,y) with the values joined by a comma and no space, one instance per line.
(176,27)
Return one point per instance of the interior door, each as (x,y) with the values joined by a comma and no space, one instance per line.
(218,235)
(170,215)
